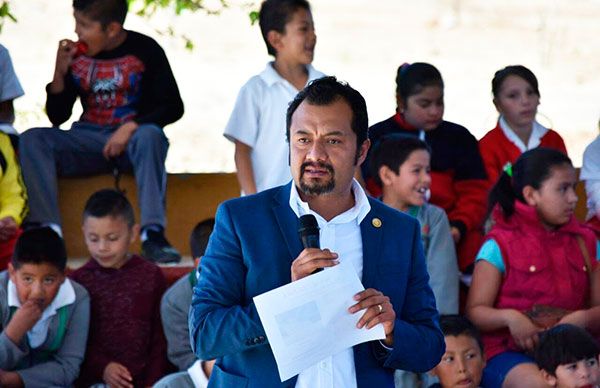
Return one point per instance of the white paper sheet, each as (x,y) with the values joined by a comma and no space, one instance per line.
(308,320)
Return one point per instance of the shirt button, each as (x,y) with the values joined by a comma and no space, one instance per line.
(532,268)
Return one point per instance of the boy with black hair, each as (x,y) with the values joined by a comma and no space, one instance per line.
(174,310)
(126,346)
(401,167)
(567,356)
(128,93)
(463,362)
(257,123)
(45,316)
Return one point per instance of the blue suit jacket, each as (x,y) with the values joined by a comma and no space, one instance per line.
(251,251)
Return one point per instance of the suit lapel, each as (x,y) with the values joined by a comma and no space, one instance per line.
(287,220)
(371,230)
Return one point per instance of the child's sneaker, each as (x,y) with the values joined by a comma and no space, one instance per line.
(156,248)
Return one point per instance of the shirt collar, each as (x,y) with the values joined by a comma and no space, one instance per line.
(64,297)
(357,213)
(271,76)
(538,131)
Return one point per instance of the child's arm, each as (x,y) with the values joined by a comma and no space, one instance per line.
(63,367)
(174,311)
(471,186)
(243,165)
(160,101)
(482,295)
(442,263)
(61,93)
(12,191)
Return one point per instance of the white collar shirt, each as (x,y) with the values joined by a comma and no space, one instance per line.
(538,131)
(258,120)
(38,333)
(341,235)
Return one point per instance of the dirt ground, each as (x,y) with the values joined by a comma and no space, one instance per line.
(360,41)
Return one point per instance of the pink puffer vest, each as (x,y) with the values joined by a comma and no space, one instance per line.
(542,267)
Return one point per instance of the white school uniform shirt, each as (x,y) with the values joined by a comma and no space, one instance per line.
(538,131)
(38,333)
(258,120)
(341,235)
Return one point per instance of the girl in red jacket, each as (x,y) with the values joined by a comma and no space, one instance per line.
(458,179)
(516,97)
(536,268)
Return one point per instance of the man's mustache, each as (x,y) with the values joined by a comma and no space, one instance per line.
(319,165)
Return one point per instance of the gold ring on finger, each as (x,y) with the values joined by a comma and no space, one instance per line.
(380,308)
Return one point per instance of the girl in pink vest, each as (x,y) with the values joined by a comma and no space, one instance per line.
(536,268)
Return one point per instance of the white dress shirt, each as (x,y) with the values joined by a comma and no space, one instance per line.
(340,235)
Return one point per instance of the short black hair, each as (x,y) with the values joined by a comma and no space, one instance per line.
(109,203)
(392,151)
(103,11)
(326,91)
(564,344)
(200,235)
(517,70)
(275,14)
(38,246)
(412,78)
(456,325)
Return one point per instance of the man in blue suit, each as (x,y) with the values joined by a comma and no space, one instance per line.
(255,248)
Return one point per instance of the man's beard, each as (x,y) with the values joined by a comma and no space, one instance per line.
(317,188)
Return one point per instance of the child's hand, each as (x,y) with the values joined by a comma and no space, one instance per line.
(455,232)
(117,142)
(8,228)
(64,56)
(24,319)
(10,379)
(117,375)
(523,331)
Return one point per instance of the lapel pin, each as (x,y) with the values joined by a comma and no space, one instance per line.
(376,222)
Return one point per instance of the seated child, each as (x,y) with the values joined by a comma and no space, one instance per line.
(462,364)
(128,94)
(45,316)
(567,355)
(13,200)
(174,310)
(458,178)
(126,346)
(257,124)
(537,268)
(400,165)
(516,97)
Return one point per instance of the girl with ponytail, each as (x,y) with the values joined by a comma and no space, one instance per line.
(536,269)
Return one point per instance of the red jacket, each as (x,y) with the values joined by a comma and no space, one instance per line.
(497,150)
(542,267)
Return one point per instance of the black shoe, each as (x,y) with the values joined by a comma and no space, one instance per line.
(156,248)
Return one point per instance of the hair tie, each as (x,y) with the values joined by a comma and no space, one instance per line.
(508,169)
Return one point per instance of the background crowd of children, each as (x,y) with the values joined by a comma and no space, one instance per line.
(496,216)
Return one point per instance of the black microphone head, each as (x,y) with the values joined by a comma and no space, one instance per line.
(308,229)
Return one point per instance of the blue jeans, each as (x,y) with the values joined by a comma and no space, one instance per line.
(46,153)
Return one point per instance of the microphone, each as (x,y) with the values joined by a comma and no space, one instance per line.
(308,229)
